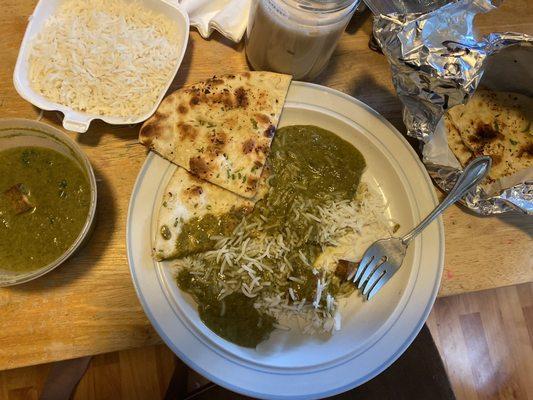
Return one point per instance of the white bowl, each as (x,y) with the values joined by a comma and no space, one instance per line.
(78,121)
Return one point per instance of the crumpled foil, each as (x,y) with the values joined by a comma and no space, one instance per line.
(437,62)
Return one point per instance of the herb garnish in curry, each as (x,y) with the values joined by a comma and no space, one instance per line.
(44,202)
(309,165)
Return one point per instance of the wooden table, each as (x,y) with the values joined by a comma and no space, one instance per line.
(89,306)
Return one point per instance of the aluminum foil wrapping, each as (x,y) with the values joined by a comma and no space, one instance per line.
(437,62)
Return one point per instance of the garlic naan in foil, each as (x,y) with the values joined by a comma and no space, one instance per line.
(497,124)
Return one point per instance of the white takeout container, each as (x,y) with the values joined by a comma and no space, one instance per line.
(78,121)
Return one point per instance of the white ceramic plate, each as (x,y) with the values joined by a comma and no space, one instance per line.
(374,333)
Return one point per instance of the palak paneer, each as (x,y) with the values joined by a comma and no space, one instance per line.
(44,203)
(311,167)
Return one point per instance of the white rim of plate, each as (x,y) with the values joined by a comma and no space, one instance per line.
(207,355)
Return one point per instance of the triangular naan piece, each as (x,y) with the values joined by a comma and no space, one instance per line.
(497,124)
(188,198)
(221,129)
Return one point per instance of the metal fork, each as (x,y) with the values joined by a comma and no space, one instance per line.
(385,256)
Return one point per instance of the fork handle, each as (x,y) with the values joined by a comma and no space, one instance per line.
(471,176)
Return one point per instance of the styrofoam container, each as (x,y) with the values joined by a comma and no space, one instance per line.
(75,120)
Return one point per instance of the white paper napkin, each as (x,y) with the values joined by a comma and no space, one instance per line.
(229,17)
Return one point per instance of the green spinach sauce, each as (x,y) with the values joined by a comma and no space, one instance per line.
(308,164)
(196,234)
(44,202)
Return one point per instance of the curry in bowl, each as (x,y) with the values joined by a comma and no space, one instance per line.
(44,203)
(47,199)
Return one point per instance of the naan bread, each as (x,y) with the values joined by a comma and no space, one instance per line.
(221,129)
(497,124)
(463,153)
(187,197)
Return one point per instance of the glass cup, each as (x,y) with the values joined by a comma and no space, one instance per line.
(295,37)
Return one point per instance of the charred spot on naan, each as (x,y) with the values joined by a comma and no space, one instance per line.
(269,132)
(195,100)
(218,138)
(248,146)
(496,159)
(262,149)
(199,167)
(147,134)
(251,183)
(484,134)
(262,118)
(526,151)
(151,129)
(216,81)
(194,190)
(227,99)
(217,143)
(193,194)
(187,131)
(241,97)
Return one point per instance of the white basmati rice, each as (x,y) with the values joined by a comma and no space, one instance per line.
(105,57)
(263,271)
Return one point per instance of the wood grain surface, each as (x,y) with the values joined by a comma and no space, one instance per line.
(485,340)
(89,306)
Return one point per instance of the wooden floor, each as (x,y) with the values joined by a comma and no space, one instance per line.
(485,339)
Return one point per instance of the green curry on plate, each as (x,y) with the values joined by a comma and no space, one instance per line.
(309,166)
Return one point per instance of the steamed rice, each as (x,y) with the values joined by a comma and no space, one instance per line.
(255,263)
(104,57)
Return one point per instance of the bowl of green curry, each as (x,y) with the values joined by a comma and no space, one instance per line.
(47,199)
